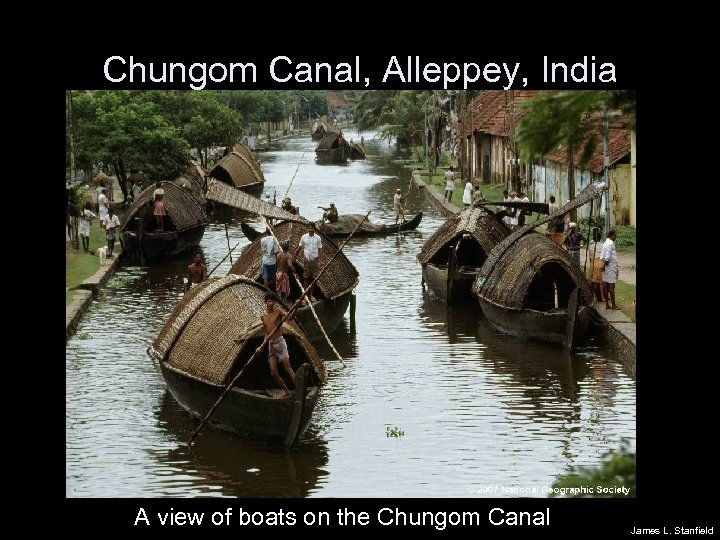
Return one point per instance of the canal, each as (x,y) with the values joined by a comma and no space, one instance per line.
(433,402)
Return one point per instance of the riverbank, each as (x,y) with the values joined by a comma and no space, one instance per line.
(620,331)
(84,275)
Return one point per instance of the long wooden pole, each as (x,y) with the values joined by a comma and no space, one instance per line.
(223,259)
(257,352)
(227,237)
(312,309)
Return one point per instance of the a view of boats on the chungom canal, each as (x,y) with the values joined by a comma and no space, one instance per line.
(433,401)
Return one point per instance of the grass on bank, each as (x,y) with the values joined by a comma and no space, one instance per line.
(80,265)
(625,298)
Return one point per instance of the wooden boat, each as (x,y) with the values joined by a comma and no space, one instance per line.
(452,256)
(183,225)
(346,224)
(332,291)
(210,336)
(241,171)
(530,287)
(357,151)
(194,180)
(535,290)
(333,148)
(232,198)
(318,131)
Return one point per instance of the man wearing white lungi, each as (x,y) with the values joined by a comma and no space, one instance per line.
(611,271)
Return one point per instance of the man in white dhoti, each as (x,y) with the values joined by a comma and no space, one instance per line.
(611,271)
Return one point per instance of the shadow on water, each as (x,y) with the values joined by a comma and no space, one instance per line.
(222,464)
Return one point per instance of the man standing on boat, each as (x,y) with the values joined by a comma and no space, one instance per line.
(277,348)
(197,272)
(399,206)
(269,248)
(311,244)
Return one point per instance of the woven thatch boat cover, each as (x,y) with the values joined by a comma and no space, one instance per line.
(587,194)
(346,224)
(208,328)
(180,204)
(482,225)
(329,140)
(245,151)
(193,180)
(197,173)
(359,149)
(226,194)
(237,170)
(509,280)
(340,277)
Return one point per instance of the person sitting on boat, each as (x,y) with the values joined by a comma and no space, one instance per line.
(277,348)
(282,275)
(311,244)
(330,214)
(197,272)
(288,207)
(399,205)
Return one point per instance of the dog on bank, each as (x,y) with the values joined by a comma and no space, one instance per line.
(102,253)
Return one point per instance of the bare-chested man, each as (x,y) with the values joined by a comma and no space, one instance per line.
(197,272)
(277,348)
(282,275)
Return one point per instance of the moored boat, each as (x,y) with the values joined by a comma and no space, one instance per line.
(535,290)
(210,337)
(452,256)
(241,171)
(183,224)
(332,291)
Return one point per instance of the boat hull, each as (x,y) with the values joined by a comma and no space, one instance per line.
(161,245)
(330,312)
(538,325)
(334,155)
(453,291)
(251,413)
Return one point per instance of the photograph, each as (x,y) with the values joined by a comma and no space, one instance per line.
(351,293)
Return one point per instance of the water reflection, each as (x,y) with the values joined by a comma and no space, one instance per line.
(221,464)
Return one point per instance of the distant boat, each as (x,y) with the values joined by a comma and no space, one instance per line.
(183,225)
(452,256)
(535,290)
(240,169)
(332,291)
(346,223)
(318,131)
(357,151)
(210,336)
(333,148)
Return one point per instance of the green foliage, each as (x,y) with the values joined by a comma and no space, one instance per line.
(617,470)
(626,239)
(77,197)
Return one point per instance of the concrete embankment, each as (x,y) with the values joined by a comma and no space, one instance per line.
(618,329)
(84,293)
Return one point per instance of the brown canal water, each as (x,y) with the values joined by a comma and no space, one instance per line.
(433,402)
